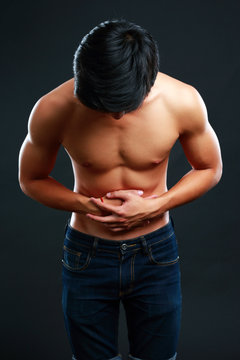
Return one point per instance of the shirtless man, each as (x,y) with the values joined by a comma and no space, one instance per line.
(118,151)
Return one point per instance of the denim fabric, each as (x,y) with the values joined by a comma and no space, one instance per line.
(130,357)
(143,273)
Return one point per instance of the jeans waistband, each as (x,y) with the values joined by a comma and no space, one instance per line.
(93,241)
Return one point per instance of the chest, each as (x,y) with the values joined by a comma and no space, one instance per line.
(138,145)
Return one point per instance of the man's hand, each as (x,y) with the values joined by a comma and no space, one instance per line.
(135,210)
(89,207)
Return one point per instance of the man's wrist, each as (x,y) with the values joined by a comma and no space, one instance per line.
(81,203)
(162,204)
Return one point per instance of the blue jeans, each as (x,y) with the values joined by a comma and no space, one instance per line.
(143,273)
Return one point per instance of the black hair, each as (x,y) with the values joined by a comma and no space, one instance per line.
(115,66)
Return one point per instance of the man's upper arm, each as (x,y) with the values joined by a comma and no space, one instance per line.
(198,139)
(40,147)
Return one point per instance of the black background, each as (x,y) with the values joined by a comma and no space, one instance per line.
(199,44)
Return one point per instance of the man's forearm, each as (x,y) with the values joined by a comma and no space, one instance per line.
(51,193)
(190,187)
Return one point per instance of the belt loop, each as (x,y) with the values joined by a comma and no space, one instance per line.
(66,226)
(144,244)
(94,246)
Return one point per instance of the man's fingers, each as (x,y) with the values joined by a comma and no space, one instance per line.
(152,196)
(100,218)
(106,219)
(123,194)
(103,206)
(118,229)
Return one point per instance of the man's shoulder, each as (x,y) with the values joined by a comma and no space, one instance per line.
(60,99)
(55,106)
(179,97)
(174,89)
(50,112)
(182,101)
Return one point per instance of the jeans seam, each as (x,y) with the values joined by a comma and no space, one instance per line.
(71,251)
(162,263)
(132,267)
(76,269)
(105,250)
(167,237)
(78,243)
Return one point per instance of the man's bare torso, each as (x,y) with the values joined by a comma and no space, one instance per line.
(129,153)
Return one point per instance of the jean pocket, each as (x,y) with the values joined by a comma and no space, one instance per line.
(74,260)
(164,252)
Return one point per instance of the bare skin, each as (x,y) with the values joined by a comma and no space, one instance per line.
(120,153)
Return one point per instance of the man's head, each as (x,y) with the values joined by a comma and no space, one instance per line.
(115,66)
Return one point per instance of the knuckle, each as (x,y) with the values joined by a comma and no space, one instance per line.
(121,213)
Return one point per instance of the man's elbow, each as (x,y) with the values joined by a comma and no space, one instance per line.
(218,173)
(23,184)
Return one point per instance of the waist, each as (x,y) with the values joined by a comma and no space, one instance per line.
(89,227)
(159,234)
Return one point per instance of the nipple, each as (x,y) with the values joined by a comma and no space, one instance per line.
(156,161)
(86,164)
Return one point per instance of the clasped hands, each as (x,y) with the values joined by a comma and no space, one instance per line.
(135,210)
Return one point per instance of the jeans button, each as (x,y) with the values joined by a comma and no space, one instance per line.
(124,246)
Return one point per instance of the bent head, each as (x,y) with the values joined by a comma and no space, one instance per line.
(115,66)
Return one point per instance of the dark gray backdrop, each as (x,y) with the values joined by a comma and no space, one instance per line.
(199,44)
